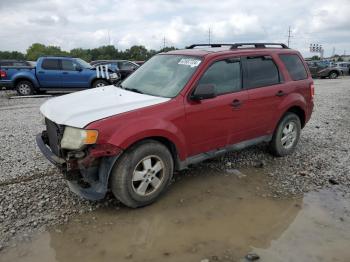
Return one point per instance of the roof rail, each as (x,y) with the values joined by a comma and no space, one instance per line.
(258,45)
(238,45)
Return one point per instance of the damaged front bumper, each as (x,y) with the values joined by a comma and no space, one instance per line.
(86,176)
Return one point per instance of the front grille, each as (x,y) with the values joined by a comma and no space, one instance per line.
(54,134)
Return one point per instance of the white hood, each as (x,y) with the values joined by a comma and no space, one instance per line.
(81,108)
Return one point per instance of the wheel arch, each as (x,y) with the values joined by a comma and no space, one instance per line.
(169,144)
(19,79)
(299,112)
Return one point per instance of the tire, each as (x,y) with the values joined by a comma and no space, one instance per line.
(99,83)
(286,135)
(142,174)
(24,88)
(333,75)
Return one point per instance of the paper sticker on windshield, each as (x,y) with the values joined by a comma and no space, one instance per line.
(189,62)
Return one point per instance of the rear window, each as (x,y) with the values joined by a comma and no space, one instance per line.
(294,66)
(50,64)
(260,71)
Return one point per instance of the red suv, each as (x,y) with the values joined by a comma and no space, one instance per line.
(179,108)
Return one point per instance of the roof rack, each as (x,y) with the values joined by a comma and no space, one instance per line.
(238,45)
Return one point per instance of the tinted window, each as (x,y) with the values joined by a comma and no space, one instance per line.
(294,66)
(224,75)
(260,71)
(50,64)
(69,65)
(126,66)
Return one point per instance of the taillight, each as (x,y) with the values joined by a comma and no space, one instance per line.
(312,90)
(3,74)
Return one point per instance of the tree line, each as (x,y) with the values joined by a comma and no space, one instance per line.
(108,52)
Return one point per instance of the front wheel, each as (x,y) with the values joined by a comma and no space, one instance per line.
(24,88)
(142,174)
(100,83)
(286,135)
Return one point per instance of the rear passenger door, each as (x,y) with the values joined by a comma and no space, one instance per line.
(49,75)
(264,83)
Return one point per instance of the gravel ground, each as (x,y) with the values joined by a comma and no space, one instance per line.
(34,195)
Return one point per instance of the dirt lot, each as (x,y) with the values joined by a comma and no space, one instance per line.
(283,209)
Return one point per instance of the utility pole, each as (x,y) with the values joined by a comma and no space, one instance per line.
(333,51)
(109,38)
(289,36)
(209,35)
(164,40)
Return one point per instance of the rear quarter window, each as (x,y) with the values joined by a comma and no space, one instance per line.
(294,66)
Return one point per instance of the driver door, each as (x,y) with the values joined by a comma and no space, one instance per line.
(73,75)
(216,122)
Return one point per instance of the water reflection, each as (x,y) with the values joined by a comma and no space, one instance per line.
(209,215)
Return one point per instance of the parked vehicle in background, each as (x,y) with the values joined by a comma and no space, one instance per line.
(11,62)
(344,67)
(55,73)
(123,67)
(180,108)
(140,63)
(320,69)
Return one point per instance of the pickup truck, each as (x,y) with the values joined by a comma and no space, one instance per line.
(55,73)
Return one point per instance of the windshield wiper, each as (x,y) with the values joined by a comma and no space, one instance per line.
(132,89)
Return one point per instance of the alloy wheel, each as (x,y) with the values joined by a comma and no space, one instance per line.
(148,175)
(289,135)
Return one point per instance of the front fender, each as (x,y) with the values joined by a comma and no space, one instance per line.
(148,128)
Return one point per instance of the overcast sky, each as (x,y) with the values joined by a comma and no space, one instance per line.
(92,23)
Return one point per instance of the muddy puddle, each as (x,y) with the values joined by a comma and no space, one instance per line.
(219,217)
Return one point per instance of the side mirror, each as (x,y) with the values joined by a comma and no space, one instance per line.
(204,91)
(78,68)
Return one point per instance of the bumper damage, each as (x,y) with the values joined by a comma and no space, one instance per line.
(88,175)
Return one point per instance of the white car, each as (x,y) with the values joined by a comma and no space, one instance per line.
(344,67)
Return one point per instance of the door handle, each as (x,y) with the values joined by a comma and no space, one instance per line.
(236,103)
(41,72)
(280,93)
(64,73)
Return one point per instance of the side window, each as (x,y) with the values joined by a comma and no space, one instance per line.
(50,64)
(260,71)
(225,75)
(126,66)
(69,65)
(294,66)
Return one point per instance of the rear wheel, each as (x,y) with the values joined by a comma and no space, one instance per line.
(99,83)
(24,88)
(142,174)
(286,136)
(333,75)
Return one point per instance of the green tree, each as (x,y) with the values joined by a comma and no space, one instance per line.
(81,53)
(315,57)
(12,55)
(36,50)
(137,52)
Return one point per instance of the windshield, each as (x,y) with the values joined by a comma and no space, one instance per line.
(162,75)
(83,63)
